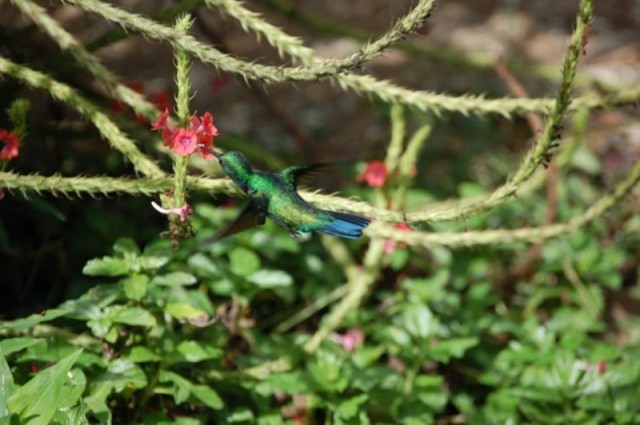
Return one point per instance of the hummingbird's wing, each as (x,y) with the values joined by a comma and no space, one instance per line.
(248,217)
(296,173)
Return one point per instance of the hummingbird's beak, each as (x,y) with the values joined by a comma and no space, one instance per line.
(211,151)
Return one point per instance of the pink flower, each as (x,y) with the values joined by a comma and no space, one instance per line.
(9,145)
(375,174)
(185,141)
(350,340)
(389,245)
(182,211)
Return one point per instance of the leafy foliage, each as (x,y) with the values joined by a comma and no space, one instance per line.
(414,325)
(188,334)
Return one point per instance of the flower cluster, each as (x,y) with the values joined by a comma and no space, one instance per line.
(9,145)
(9,148)
(185,141)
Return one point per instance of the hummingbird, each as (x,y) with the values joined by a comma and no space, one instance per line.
(275,195)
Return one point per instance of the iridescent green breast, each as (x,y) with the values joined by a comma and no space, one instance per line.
(284,205)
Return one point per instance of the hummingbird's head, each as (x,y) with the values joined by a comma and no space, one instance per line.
(235,165)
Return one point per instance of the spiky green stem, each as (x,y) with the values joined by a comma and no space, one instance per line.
(537,154)
(183,96)
(316,68)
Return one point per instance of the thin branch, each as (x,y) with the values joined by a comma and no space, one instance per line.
(268,74)
(538,154)
(361,84)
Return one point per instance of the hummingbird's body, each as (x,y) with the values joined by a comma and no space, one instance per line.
(274,195)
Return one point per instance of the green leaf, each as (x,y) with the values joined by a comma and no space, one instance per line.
(135,287)
(350,407)
(134,316)
(243,262)
(34,319)
(149,262)
(289,382)
(123,374)
(11,345)
(184,388)
(418,320)
(96,401)
(174,279)
(106,266)
(240,415)
(399,258)
(6,385)
(126,246)
(182,311)
(208,396)
(328,371)
(72,416)
(456,347)
(270,279)
(195,352)
(203,266)
(140,354)
(38,400)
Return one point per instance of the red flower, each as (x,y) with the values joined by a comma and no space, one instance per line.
(185,141)
(9,144)
(375,174)
(162,123)
(388,245)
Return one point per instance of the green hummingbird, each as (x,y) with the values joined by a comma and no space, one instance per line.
(274,195)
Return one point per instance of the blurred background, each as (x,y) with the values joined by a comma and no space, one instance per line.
(45,240)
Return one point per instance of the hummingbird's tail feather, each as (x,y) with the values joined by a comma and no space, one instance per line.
(344,225)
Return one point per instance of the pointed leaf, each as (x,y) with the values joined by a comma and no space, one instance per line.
(106,266)
(174,279)
(183,311)
(6,385)
(243,262)
(12,345)
(135,287)
(34,319)
(38,400)
(270,279)
(208,396)
(195,352)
